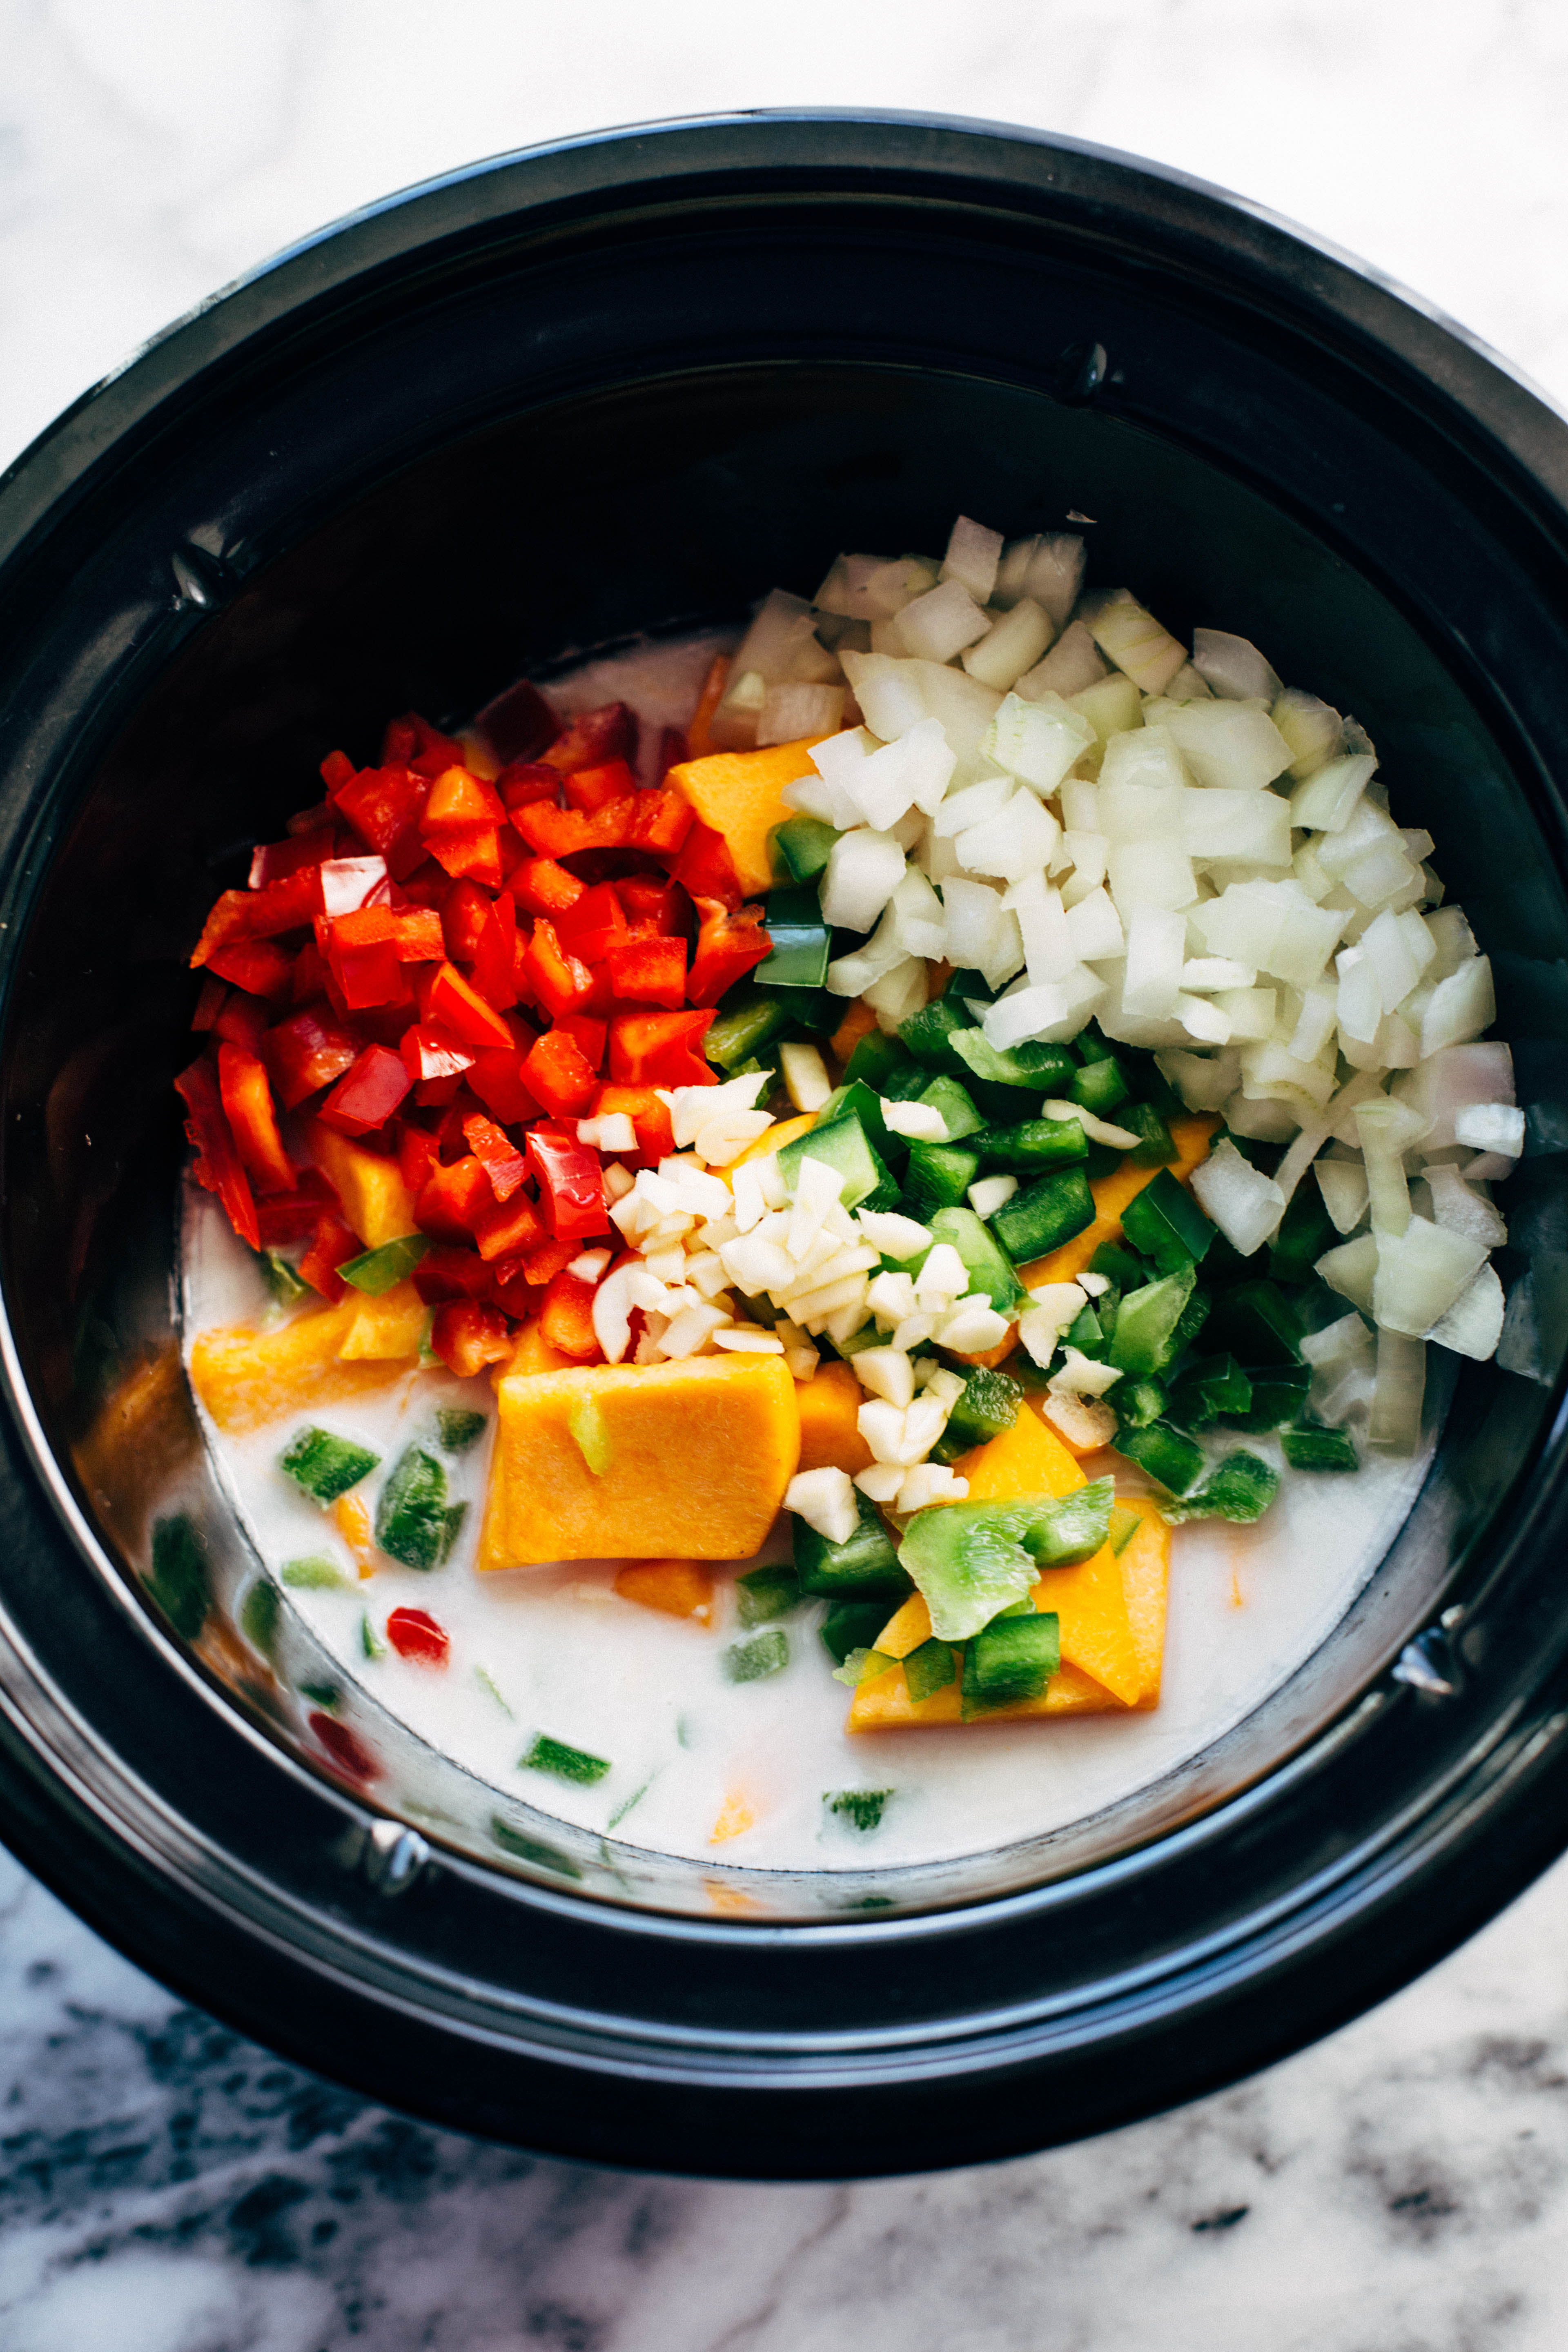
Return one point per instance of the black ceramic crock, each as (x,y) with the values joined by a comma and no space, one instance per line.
(632,382)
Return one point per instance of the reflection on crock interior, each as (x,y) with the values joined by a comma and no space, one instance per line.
(815,1248)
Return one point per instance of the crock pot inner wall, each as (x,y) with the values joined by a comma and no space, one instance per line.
(659,503)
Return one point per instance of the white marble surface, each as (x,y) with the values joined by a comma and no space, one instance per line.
(165,2187)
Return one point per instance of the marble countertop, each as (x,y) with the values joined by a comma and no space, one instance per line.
(166,2185)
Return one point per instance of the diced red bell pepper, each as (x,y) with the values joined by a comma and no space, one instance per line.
(453,1199)
(284,906)
(595,736)
(655,1136)
(307,1052)
(527,780)
(366,1098)
(337,770)
(520,724)
(543,1263)
(705,867)
(446,1273)
(428,751)
(570,1184)
(588,1035)
(504,1228)
(285,1217)
(660,821)
(241,1020)
(343,1749)
(332,1245)
(595,924)
(209,1002)
(272,861)
(465,911)
(482,931)
(467,1336)
(541,887)
(416,1155)
(362,949)
(555,980)
(502,1161)
(259,966)
(728,946)
(566,1318)
(590,788)
(459,797)
(559,833)
(656,910)
(253,1123)
(311,976)
(658,1049)
(468,849)
(383,804)
(417,932)
(433,1053)
(496,1079)
(559,1076)
(414,1634)
(219,1167)
(457,1006)
(650,971)
(673,751)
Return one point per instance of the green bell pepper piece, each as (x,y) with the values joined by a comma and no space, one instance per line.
(1009,1662)
(800,848)
(801,941)
(1165,1223)
(972,1560)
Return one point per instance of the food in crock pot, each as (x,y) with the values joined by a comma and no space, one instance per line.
(991,1037)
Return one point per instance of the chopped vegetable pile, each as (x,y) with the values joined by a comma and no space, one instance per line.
(993,1006)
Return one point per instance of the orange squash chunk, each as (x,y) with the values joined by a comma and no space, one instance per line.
(695,1459)
(388,1328)
(246,1377)
(377,1204)
(1111,1195)
(737,793)
(678,1588)
(830,1437)
(774,1138)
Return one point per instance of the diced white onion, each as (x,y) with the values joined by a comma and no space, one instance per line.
(941,622)
(1233,667)
(1049,568)
(824,1499)
(1233,746)
(1420,1274)
(864,870)
(974,555)
(1473,1325)
(1074,662)
(1343,1183)
(1395,1424)
(1038,740)
(1134,640)
(1012,646)
(1245,1204)
(990,1193)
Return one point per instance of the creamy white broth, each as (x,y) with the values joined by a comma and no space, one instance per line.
(570,1657)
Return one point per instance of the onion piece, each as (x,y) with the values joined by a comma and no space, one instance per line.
(1074,662)
(940,622)
(864,870)
(1038,740)
(1231,745)
(1420,1272)
(1343,1362)
(1233,667)
(974,555)
(1351,1270)
(1048,567)
(1134,640)
(1473,1325)
(1386,1130)
(1241,1201)
(1313,729)
(1395,1424)
(1343,1185)
(1011,646)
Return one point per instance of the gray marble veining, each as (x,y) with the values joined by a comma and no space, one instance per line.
(167,2186)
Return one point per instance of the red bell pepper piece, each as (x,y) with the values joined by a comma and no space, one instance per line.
(503,1163)
(589,788)
(660,821)
(241,1021)
(544,1262)
(285,1217)
(432,1052)
(570,1184)
(452,1200)
(416,933)
(332,1245)
(656,910)
(494,953)
(362,949)
(655,1136)
(658,1049)
(541,887)
(520,724)
(343,1750)
(209,1003)
(559,833)
(366,1098)
(253,1123)
(218,1167)
(587,1036)
(595,924)
(673,751)
(705,867)
(503,1229)
(595,736)
(527,780)
(496,1079)
(337,770)
(414,1634)
(259,966)
(650,971)
(416,1156)
(428,751)
(464,913)
(555,980)
(457,1006)
(446,1273)
(558,1075)
(285,906)
(468,849)
(307,1052)
(459,797)
(311,976)
(383,804)
(728,945)
(467,1336)
(272,861)
(566,1316)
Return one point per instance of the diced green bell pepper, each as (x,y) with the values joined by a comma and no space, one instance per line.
(1125,1523)
(938,1176)
(1209,1387)
(312,1575)
(459,1427)
(1100,1087)
(844,1146)
(1042,1216)
(414,1522)
(800,848)
(929,1669)
(378,1269)
(863,1566)
(988,1406)
(855,1099)
(927,1034)
(878,1058)
(972,1560)
(1146,1323)
(957,1108)
(1306,1230)
(1046,1069)
(1034,1147)
(1239,1490)
(753,1661)
(765,1593)
(1119,1266)
(1278,1395)
(1009,1662)
(567,1763)
(861,1808)
(1139,1402)
(1318,1449)
(1154,1148)
(286,1286)
(1165,1454)
(326,1465)
(1258,1324)
(988,1269)
(1165,1223)
(1086,1333)
(746,1022)
(968,986)
(801,941)
(852,1625)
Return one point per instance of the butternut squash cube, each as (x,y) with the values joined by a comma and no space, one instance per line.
(774,1138)
(830,1437)
(737,793)
(697,1457)
(246,1377)
(678,1588)
(377,1204)
(386,1330)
